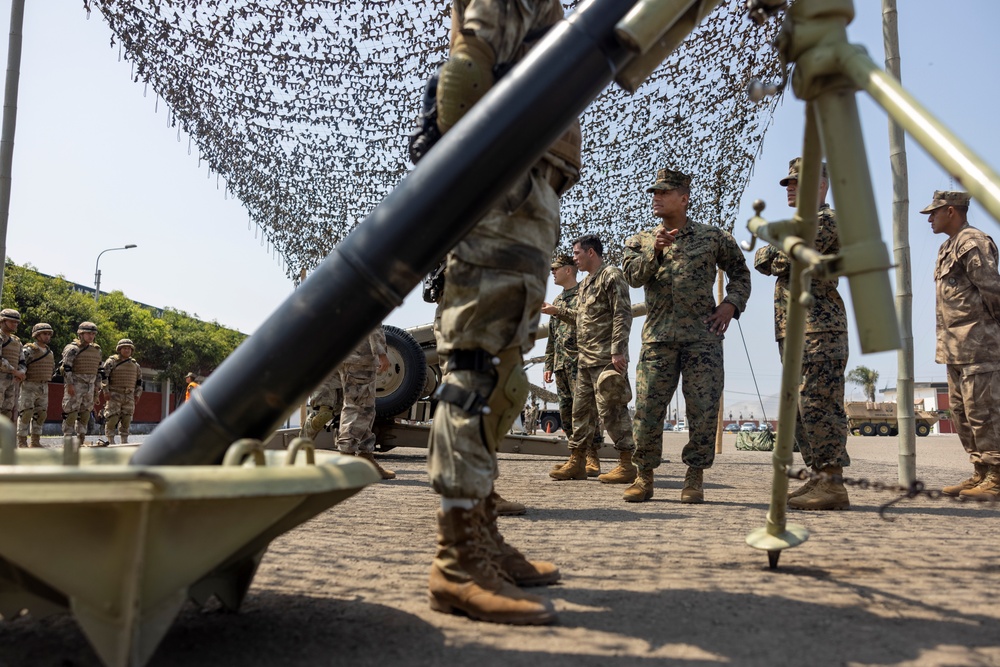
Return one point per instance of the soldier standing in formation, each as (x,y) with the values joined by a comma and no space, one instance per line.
(675,264)
(39,362)
(11,365)
(603,321)
(81,360)
(350,392)
(494,285)
(821,425)
(122,379)
(968,338)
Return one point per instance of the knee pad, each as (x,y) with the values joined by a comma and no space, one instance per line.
(464,79)
(324,413)
(507,397)
(69,417)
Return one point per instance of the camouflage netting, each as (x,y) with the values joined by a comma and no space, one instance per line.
(303,109)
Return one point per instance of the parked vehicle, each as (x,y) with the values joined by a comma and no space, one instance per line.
(731,428)
(681,426)
(764,426)
(880,419)
(749,427)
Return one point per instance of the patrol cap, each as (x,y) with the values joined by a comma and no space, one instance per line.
(87,327)
(669,179)
(10,314)
(562,260)
(41,327)
(124,342)
(614,387)
(794,166)
(947,198)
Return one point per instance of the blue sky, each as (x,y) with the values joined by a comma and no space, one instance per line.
(96,166)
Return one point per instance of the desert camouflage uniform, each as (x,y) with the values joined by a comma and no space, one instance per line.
(123,380)
(675,339)
(968,339)
(33,404)
(603,323)
(821,426)
(494,284)
(561,355)
(350,391)
(10,361)
(76,409)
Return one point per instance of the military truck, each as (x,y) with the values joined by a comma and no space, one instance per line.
(880,419)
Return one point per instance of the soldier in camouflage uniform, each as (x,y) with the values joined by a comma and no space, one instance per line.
(81,360)
(350,391)
(11,365)
(821,424)
(494,285)
(968,338)
(33,405)
(676,265)
(603,317)
(121,378)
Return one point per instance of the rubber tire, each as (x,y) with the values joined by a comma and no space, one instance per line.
(548,420)
(410,374)
(883,429)
(867,429)
(923,429)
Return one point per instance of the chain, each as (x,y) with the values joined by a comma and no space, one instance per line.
(915,489)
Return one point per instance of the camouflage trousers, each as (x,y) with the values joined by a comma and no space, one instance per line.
(32,407)
(494,288)
(821,423)
(661,367)
(8,390)
(76,409)
(589,405)
(565,386)
(118,412)
(349,391)
(974,397)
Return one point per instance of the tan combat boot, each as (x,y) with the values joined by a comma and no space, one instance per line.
(988,489)
(593,463)
(36,440)
(575,468)
(506,507)
(22,441)
(512,562)
(825,495)
(465,578)
(978,476)
(125,439)
(641,489)
(805,488)
(692,491)
(110,437)
(623,473)
(370,457)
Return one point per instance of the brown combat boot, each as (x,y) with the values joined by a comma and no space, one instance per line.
(593,463)
(575,468)
(465,578)
(623,473)
(693,481)
(125,439)
(22,441)
(641,489)
(36,440)
(506,507)
(988,489)
(977,477)
(110,437)
(370,457)
(825,495)
(512,562)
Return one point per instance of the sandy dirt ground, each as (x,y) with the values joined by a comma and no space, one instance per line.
(656,583)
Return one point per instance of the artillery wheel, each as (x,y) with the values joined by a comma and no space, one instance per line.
(883,429)
(867,429)
(401,386)
(550,424)
(923,429)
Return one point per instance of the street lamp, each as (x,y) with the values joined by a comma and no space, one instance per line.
(97,271)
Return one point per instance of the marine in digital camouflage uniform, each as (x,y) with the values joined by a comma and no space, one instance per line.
(603,323)
(81,361)
(968,338)
(11,365)
(676,264)
(121,378)
(494,285)
(33,404)
(821,424)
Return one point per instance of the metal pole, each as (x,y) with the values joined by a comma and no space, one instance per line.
(901,258)
(9,123)
(97,270)
(722,403)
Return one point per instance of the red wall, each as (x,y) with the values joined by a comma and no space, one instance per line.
(146,410)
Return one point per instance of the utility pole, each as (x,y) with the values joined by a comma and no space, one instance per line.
(9,123)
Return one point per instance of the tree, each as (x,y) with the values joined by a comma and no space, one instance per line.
(866,378)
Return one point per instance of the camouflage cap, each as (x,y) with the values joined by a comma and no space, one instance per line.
(562,260)
(794,166)
(10,314)
(41,327)
(87,327)
(124,342)
(947,198)
(613,387)
(669,179)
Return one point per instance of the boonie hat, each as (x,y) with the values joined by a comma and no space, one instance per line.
(947,198)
